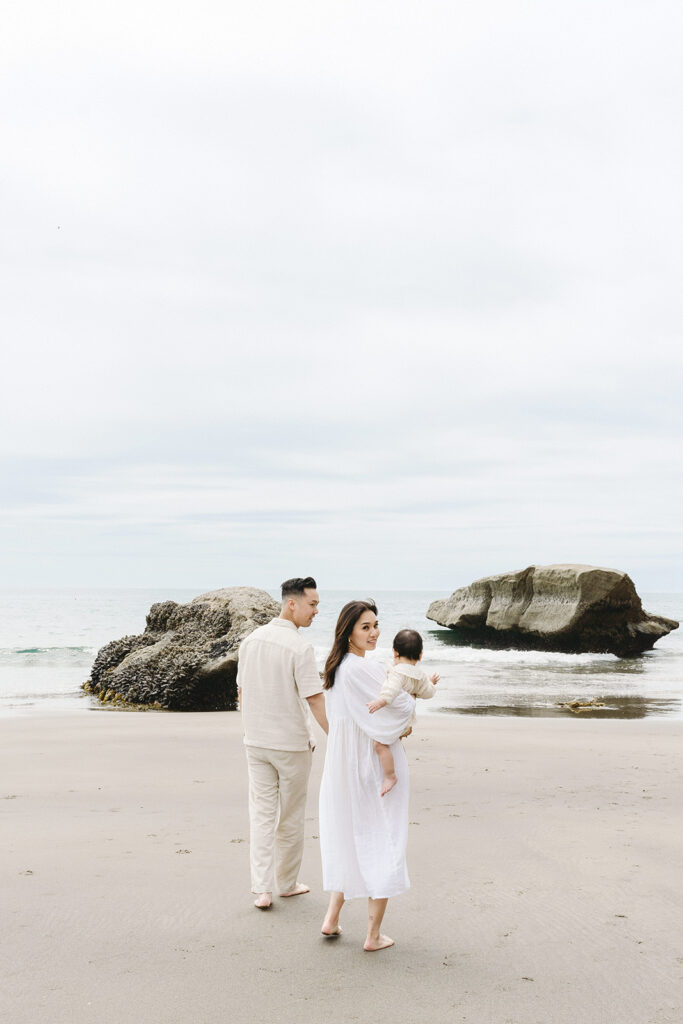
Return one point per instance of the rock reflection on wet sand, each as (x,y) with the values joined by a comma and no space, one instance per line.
(612,707)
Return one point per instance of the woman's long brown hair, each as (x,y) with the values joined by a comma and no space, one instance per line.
(348,617)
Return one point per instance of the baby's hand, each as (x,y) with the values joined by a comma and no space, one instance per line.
(375,705)
(435,678)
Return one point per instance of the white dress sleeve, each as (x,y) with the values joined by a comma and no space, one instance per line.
(363,681)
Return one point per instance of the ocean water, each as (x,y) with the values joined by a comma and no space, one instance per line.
(49,639)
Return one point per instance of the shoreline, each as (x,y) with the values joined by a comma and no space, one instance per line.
(633,709)
(544,861)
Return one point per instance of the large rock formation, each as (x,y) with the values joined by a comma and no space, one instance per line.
(186,659)
(570,608)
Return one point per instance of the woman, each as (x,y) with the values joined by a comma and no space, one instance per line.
(362,834)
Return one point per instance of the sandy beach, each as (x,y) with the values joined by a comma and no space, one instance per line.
(545,858)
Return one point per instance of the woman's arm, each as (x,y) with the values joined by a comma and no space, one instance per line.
(362,684)
(317,705)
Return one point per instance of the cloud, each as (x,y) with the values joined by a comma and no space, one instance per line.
(343,279)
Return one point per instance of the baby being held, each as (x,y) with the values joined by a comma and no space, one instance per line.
(405,674)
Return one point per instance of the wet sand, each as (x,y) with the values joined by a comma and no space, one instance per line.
(545,858)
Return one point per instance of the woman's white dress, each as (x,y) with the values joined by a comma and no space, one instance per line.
(363,835)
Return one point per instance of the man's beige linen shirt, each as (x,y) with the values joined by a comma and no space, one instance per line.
(276,673)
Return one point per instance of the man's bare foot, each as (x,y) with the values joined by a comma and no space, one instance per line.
(298,890)
(263,901)
(372,945)
(389,783)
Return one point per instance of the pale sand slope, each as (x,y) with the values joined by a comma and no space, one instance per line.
(545,858)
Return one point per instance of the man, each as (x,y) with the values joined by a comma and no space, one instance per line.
(279,685)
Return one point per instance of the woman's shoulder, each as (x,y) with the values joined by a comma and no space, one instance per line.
(355,667)
(344,666)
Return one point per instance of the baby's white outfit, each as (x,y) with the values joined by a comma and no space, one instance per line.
(411,678)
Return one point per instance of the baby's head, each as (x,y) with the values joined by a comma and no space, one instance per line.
(408,645)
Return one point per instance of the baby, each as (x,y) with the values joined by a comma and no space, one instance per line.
(405,675)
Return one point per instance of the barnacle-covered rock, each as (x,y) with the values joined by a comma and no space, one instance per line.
(186,659)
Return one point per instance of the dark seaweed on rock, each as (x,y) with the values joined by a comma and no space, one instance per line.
(186,659)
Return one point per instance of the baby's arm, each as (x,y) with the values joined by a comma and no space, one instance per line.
(426,687)
(393,684)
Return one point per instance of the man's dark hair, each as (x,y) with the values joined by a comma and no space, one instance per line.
(408,644)
(296,586)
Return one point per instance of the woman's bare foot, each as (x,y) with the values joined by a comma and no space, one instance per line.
(263,901)
(298,890)
(389,783)
(381,942)
(330,925)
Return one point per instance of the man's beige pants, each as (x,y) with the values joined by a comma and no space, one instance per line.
(278,780)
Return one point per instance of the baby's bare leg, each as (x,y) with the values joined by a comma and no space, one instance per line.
(386,759)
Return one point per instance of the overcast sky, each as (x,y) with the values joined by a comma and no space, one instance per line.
(389,293)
